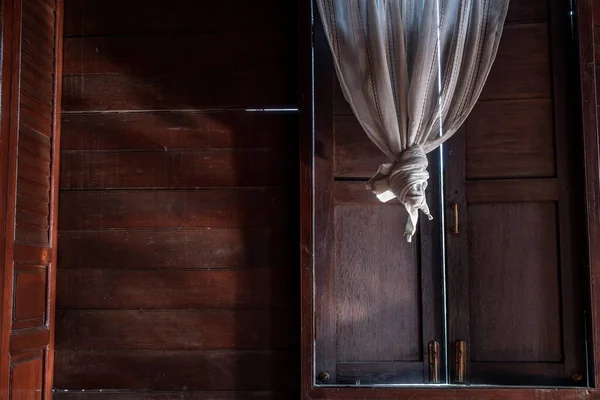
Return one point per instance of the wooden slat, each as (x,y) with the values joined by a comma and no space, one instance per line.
(522,65)
(176,131)
(509,139)
(31,234)
(174,289)
(210,248)
(186,395)
(160,169)
(176,330)
(211,208)
(207,370)
(193,54)
(356,156)
(26,253)
(176,91)
(512,190)
(113,17)
(29,339)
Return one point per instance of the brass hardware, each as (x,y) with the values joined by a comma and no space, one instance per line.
(461,361)
(455,229)
(434,362)
(577,377)
(324,376)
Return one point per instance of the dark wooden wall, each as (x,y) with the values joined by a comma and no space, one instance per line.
(177,259)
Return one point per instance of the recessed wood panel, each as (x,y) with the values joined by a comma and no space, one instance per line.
(157,54)
(219,90)
(509,139)
(176,330)
(172,169)
(170,370)
(208,208)
(26,376)
(176,131)
(179,249)
(522,66)
(29,296)
(377,285)
(515,296)
(114,17)
(173,289)
(355,154)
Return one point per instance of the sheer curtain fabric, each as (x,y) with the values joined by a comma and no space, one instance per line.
(411,71)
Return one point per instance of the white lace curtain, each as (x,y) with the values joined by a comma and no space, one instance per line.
(411,71)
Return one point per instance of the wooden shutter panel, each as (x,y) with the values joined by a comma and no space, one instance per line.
(515,295)
(29,154)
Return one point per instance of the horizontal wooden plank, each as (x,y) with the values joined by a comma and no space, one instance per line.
(522,66)
(173,169)
(176,330)
(174,209)
(356,156)
(114,17)
(193,54)
(175,289)
(170,370)
(178,91)
(29,339)
(357,192)
(512,190)
(207,248)
(510,139)
(184,395)
(177,130)
(522,11)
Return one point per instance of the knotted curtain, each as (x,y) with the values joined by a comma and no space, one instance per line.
(411,71)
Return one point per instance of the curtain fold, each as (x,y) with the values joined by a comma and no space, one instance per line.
(411,71)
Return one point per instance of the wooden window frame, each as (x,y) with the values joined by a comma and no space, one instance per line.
(314,119)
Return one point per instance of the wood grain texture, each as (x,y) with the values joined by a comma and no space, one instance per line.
(522,11)
(175,289)
(510,139)
(355,155)
(175,370)
(265,52)
(522,66)
(208,208)
(176,330)
(187,395)
(113,17)
(378,298)
(515,294)
(173,169)
(176,131)
(219,90)
(180,249)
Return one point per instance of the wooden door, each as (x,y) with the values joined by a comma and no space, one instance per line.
(378,298)
(29,155)
(515,268)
